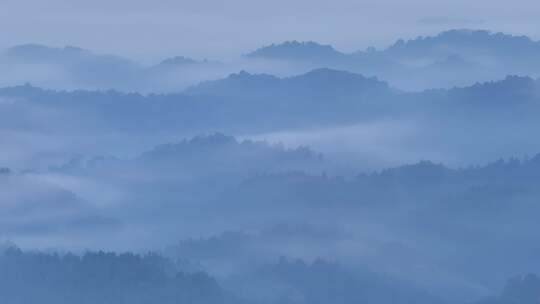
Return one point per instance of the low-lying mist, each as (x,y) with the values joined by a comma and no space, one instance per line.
(293,174)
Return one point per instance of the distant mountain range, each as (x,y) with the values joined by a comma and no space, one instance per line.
(469,44)
(77,68)
(301,51)
(479,44)
(257,100)
(101,151)
(451,58)
(455,57)
(318,82)
(491,114)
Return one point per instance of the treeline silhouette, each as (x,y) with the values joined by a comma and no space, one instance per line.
(101,277)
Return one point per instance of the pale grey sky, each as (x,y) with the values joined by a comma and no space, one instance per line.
(150,29)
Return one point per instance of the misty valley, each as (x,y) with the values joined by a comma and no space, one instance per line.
(295,173)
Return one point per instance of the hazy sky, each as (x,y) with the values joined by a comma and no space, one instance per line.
(149,29)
